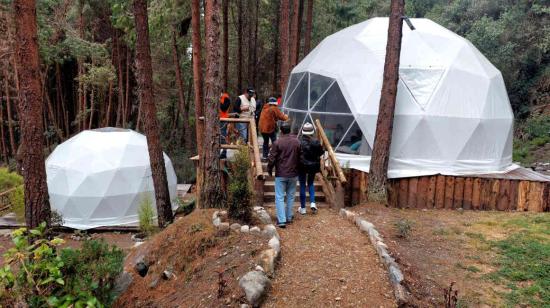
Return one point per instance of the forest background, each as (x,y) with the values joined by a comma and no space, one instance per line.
(87,50)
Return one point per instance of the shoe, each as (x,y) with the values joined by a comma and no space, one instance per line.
(289,221)
(313,207)
(302,210)
(282,226)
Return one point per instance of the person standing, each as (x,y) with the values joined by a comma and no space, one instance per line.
(268,123)
(310,163)
(244,106)
(284,156)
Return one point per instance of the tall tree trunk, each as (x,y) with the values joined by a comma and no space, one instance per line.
(276,50)
(309,26)
(240,46)
(5,155)
(181,90)
(226,45)
(299,31)
(283,44)
(61,98)
(294,32)
(8,107)
(127,108)
(255,51)
(188,142)
(212,193)
(378,173)
(250,43)
(109,103)
(150,122)
(197,73)
(120,81)
(37,207)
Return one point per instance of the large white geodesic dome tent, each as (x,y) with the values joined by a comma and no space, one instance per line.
(452,112)
(100,177)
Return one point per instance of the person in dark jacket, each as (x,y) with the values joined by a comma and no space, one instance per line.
(284,156)
(310,163)
(225,103)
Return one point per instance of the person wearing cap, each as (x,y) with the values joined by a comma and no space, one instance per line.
(284,156)
(268,123)
(225,103)
(310,163)
(244,106)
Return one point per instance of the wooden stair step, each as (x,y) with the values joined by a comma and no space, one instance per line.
(269,186)
(270,196)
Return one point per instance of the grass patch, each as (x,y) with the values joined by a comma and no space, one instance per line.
(533,134)
(469,268)
(523,260)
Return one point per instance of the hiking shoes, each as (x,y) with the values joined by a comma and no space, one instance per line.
(313,207)
(282,226)
(302,210)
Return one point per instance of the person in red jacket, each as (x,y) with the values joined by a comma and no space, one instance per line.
(225,103)
(268,123)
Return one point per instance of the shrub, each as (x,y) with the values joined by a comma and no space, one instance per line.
(240,193)
(17,200)
(37,274)
(9,179)
(92,269)
(403,228)
(146,214)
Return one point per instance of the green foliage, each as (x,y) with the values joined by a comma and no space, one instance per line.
(146,213)
(9,179)
(240,192)
(403,228)
(530,135)
(92,269)
(17,201)
(38,274)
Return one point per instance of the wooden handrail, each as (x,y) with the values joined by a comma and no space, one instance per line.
(256,149)
(339,173)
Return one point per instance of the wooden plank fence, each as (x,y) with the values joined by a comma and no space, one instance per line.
(452,192)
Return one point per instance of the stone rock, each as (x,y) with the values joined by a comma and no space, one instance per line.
(216,221)
(257,208)
(255,230)
(138,237)
(223,215)
(215,215)
(343,213)
(141,268)
(255,285)
(137,244)
(395,274)
(235,227)
(400,295)
(267,261)
(245,229)
(244,306)
(263,216)
(224,226)
(154,283)
(365,226)
(271,231)
(259,268)
(386,258)
(122,282)
(275,244)
(167,274)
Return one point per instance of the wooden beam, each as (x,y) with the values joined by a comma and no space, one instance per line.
(331,154)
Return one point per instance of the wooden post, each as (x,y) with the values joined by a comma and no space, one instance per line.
(378,173)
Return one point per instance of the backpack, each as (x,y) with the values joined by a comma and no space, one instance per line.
(310,155)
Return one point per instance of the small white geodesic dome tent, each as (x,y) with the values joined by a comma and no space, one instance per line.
(452,112)
(100,177)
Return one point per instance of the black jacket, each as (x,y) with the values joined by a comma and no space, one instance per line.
(310,157)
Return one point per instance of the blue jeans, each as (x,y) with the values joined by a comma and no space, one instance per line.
(223,136)
(285,186)
(307,179)
(243,130)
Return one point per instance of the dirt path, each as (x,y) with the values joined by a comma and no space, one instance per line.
(326,261)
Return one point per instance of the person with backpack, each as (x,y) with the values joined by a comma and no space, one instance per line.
(310,163)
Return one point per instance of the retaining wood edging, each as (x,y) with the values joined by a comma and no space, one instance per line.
(394,272)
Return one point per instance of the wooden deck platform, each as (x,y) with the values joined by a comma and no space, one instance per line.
(518,190)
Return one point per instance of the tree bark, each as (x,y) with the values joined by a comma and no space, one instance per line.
(283,44)
(309,26)
(240,46)
(127,109)
(37,207)
(378,173)
(226,45)
(150,122)
(276,49)
(294,32)
(212,193)
(299,31)
(255,51)
(2,136)
(8,107)
(120,92)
